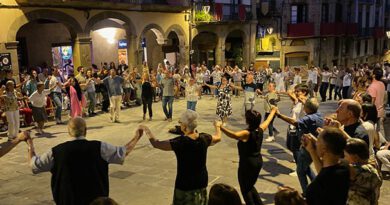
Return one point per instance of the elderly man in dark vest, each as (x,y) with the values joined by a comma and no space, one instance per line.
(79,167)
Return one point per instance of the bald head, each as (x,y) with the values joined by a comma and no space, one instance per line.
(348,111)
(77,127)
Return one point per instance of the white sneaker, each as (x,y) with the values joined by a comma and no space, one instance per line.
(270,139)
(293,174)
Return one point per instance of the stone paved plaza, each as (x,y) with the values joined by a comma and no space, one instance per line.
(147,176)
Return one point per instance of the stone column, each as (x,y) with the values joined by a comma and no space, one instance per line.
(82,51)
(132,51)
(11,47)
(220,52)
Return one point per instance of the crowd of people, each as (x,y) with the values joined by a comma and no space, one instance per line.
(349,151)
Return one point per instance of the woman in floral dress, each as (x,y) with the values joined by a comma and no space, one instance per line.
(224,104)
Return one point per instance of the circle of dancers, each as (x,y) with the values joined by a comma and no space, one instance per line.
(348,149)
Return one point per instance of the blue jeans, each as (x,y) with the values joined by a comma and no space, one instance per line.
(216,92)
(167,100)
(191,105)
(57,100)
(303,169)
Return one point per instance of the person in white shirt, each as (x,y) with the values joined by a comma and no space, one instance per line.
(56,94)
(279,81)
(38,105)
(192,94)
(332,82)
(312,80)
(347,82)
(297,78)
(217,75)
(324,83)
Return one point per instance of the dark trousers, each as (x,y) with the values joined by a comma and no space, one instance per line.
(323,89)
(248,172)
(147,105)
(271,125)
(337,92)
(346,92)
(106,101)
(260,86)
(331,87)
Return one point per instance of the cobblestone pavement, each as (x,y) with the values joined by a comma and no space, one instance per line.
(147,176)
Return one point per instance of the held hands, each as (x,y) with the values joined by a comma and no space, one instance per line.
(24,136)
(309,142)
(332,123)
(217,124)
(144,129)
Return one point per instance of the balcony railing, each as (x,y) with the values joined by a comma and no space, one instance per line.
(222,12)
(365,32)
(300,30)
(338,29)
(163,5)
(379,32)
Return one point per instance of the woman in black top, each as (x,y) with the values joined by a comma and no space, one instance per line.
(147,96)
(191,153)
(249,150)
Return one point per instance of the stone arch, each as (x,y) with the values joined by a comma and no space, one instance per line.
(157,30)
(128,26)
(58,16)
(243,34)
(179,32)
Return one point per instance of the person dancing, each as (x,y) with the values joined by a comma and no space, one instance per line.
(249,150)
(147,96)
(224,104)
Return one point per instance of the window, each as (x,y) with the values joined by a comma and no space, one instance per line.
(358,48)
(366,46)
(376,52)
(336,47)
(298,13)
(325,13)
(339,13)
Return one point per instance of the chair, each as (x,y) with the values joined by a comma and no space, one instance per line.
(50,108)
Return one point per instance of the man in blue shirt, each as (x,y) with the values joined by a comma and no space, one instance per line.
(113,84)
(308,124)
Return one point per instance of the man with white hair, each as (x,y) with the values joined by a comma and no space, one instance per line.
(79,167)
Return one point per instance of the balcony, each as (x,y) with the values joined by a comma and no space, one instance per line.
(300,30)
(338,29)
(332,29)
(351,29)
(220,12)
(365,32)
(379,32)
(137,5)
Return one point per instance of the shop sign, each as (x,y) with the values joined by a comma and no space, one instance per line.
(5,61)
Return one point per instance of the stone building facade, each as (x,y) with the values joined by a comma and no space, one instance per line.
(77,19)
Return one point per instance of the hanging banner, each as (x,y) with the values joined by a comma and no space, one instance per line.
(122,51)
(264,7)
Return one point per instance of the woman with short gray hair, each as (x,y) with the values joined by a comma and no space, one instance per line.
(191,152)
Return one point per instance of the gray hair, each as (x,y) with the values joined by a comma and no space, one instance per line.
(312,105)
(189,119)
(77,127)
